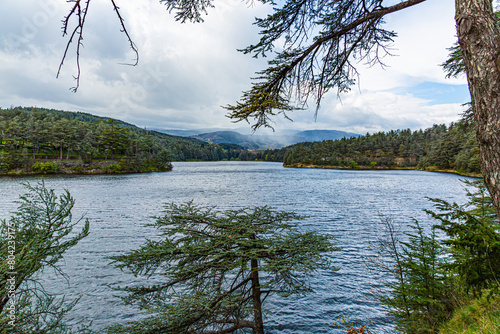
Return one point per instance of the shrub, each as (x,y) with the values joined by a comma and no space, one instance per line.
(45,167)
(114,168)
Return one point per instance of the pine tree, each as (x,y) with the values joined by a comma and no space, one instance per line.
(33,239)
(218,268)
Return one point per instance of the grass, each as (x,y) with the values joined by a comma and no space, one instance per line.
(480,316)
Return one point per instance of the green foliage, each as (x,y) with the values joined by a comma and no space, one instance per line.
(420,291)
(55,134)
(454,66)
(162,160)
(48,167)
(114,138)
(445,148)
(431,277)
(217,268)
(4,164)
(473,238)
(33,239)
(114,168)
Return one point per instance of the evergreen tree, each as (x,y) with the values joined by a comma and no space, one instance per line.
(33,239)
(473,237)
(420,290)
(429,276)
(217,268)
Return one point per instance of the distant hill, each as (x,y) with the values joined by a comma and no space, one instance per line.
(266,141)
(321,135)
(251,142)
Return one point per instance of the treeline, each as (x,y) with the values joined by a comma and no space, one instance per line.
(272,155)
(454,147)
(28,134)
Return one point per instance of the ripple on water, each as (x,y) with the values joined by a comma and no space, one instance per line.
(350,205)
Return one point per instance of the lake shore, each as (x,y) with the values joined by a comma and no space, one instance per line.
(77,167)
(364,168)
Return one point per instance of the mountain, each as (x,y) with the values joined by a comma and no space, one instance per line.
(321,135)
(251,142)
(263,141)
(187,133)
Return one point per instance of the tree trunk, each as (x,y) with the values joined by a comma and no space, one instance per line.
(479,37)
(257,303)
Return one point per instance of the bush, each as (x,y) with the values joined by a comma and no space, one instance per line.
(45,167)
(114,168)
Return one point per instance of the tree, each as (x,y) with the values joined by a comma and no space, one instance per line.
(217,268)
(473,238)
(325,39)
(114,137)
(419,287)
(429,276)
(33,239)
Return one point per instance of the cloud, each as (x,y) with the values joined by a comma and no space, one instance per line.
(186,72)
(362,112)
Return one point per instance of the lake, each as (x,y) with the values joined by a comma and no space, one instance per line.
(350,205)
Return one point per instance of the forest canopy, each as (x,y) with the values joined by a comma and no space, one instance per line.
(440,147)
(29,134)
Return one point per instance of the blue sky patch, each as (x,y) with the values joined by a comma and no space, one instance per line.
(439,93)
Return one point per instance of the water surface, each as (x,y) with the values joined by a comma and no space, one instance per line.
(350,205)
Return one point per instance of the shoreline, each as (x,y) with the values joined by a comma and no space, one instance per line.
(365,168)
(76,167)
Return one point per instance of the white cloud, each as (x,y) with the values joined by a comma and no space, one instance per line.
(188,71)
(375,111)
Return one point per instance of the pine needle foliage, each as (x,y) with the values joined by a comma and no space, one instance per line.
(321,42)
(34,239)
(217,268)
(473,238)
(420,290)
(431,277)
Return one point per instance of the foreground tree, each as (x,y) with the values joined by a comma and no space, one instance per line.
(33,239)
(217,268)
(430,277)
(473,238)
(420,290)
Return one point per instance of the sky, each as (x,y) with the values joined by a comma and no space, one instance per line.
(186,72)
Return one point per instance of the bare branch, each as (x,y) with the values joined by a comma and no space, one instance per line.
(124,30)
(77,32)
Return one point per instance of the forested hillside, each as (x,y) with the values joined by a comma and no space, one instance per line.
(30,134)
(440,147)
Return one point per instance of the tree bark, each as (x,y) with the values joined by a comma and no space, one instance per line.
(479,37)
(257,303)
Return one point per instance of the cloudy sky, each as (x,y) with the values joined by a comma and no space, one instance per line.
(186,72)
